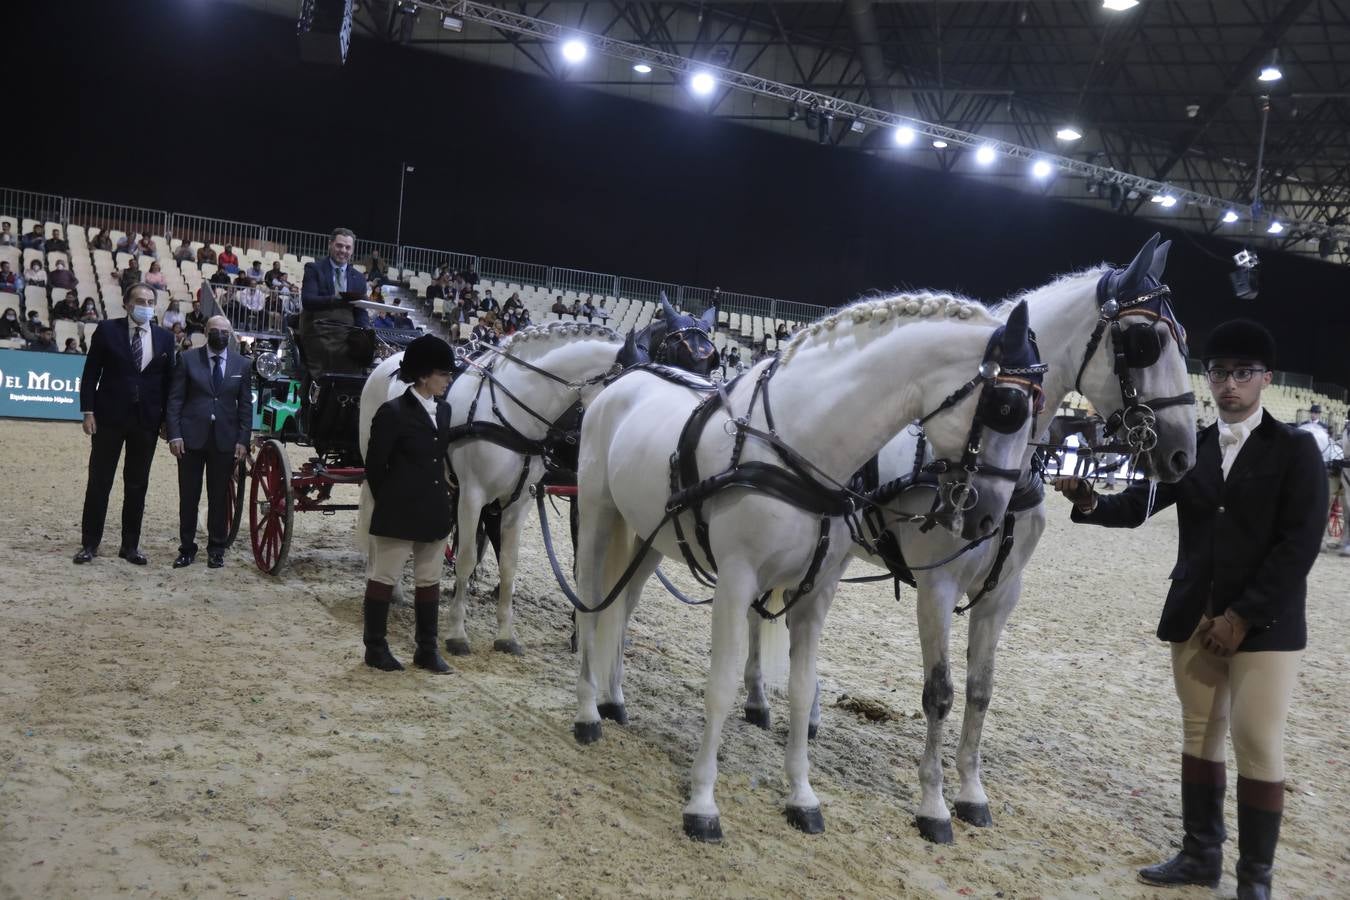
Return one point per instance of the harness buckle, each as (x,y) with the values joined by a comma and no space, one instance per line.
(733,426)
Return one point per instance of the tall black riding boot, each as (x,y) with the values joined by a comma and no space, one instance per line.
(1260,808)
(376,610)
(426,603)
(1201,858)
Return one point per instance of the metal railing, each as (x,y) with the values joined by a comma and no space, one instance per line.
(115,219)
(366,249)
(244,237)
(583,282)
(645,289)
(255,310)
(512,271)
(297,243)
(26,205)
(424,259)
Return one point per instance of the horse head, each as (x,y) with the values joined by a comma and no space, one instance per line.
(685,341)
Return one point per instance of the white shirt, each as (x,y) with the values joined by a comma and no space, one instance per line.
(147,341)
(428,404)
(1320,434)
(252,299)
(1232,437)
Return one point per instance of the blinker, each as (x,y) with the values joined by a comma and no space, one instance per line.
(990,369)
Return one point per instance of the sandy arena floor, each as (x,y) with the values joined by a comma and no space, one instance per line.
(214,733)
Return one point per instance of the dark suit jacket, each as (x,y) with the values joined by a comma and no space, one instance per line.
(318,293)
(192,403)
(112,383)
(405,468)
(1247,542)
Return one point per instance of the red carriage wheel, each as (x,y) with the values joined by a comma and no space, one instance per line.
(271,506)
(238,486)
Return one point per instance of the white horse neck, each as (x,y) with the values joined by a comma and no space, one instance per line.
(1063,314)
(849,383)
(570,353)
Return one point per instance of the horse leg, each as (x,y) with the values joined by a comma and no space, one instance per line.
(508,552)
(805,620)
(986,626)
(937,599)
(756,702)
(603,522)
(612,707)
(735,586)
(470,504)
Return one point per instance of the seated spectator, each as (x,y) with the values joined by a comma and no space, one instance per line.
(61,277)
(601,313)
(274,274)
(523,319)
(89,311)
(34,240)
(45,342)
(489,303)
(155,277)
(146,247)
(587,309)
(291,304)
(219,279)
(174,315)
(457,283)
(130,275)
(402,321)
(471,277)
(439,289)
(255,272)
(381,320)
(101,241)
(7,238)
(485,333)
(126,245)
(35,274)
(781,332)
(252,301)
(575,308)
(180,337)
(228,261)
(205,255)
(558,308)
(512,302)
(55,243)
(68,308)
(9,326)
(376,270)
(72,346)
(183,253)
(9,279)
(195,323)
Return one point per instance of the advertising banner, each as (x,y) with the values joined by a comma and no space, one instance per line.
(40,385)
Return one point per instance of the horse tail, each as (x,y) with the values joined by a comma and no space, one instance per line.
(774,644)
(608,646)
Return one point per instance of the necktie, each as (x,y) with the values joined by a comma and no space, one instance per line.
(1230,443)
(217,374)
(340,278)
(137,349)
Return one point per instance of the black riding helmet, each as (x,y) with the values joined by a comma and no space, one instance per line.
(425,355)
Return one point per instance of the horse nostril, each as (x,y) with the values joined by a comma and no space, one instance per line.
(1181,461)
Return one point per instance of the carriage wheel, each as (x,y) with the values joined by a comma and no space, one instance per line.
(1336,526)
(238,484)
(271,505)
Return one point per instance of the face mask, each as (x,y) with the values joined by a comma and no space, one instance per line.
(217,339)
(141,314)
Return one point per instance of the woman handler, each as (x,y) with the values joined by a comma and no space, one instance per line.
(405,468)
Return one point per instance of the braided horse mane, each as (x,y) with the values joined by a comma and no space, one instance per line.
(891,311)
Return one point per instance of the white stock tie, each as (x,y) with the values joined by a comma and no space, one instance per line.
(1230,443)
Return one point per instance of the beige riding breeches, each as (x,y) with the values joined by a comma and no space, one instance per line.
(1247,692)
(387,556)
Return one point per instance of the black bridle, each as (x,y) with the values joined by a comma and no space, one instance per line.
(1135,347)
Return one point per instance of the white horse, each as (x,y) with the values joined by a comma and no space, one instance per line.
(841,389)
(1063,315)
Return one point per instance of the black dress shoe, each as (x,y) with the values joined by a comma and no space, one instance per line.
(85,555)
(184,560)
(135,556)
(215,559)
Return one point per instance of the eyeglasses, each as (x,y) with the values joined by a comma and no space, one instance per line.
(1241,375)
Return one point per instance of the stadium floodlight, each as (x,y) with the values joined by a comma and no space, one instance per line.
(985,155)
(939,144)
(703,83)
(1276,227)
(574,51)
(904,135)
(1156,198)
(642,69)
(1068,134)
(1229,217)
(1041,168)
(1271,70)
(1119,5)
(1168,201)
(452,23)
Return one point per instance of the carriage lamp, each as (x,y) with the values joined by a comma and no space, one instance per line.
(267,365)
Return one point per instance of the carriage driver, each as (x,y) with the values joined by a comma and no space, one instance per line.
(406,471)
(1250,516)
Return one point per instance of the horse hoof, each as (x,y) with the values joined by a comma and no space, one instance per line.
(939,831)
(457,647)
(615,712)
(707,829)
(512,647)
(586,732)
(811,731)
(807,821)
(976,814)
(758,716)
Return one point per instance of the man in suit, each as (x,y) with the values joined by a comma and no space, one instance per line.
(329,288)
(1250,518)
(122,395)
(209,422)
